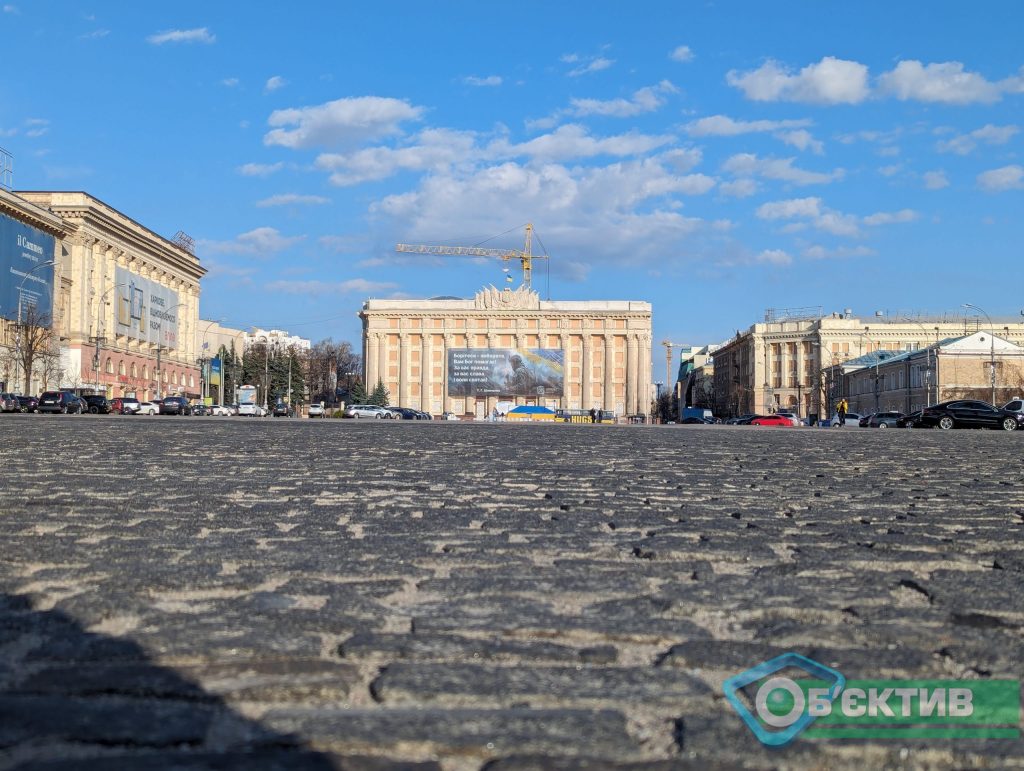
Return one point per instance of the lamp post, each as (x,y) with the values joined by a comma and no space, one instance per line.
(992,349)
(205,386)
(17,339)
(928,367)
(878,360)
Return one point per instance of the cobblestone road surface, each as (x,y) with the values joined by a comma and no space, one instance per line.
(234,593)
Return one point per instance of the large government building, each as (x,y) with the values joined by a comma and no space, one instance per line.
(465,356)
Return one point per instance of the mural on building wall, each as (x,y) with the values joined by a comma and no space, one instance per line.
(22,250)
(146,310)
(506,372)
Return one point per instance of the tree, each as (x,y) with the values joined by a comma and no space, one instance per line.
(36,342)
(380,395)
(356,394)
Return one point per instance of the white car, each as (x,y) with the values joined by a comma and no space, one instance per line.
(317,410)
(852,420)
(147,408)
(251,410)
(220,410)
(366,411)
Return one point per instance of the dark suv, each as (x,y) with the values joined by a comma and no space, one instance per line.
(98,405)
(175,405)
(28,403)
(60,401)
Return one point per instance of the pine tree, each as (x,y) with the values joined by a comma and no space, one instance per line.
(357,394)
(380,395)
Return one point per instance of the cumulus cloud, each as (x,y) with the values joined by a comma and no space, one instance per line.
(830,81)
(818,252)
(964,144)
(352,285)
(259,169)
(229,82)
(891,218)
(810,212)
(274,83)
(739,188)
(293,199)
(935,180)
(773,257)
(342,121)
(198,35)
(490,80)
(261,242)
(644,100)
(801,139)
(782,169)
(943,82)
(724,126)
(681,54)
(1001,179)
(432,150)
(595,64)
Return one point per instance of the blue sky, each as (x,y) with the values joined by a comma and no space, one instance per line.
(715,159)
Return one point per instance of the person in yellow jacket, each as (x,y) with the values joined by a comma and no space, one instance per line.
(841,409)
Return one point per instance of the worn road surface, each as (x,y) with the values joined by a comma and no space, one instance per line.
(239,593)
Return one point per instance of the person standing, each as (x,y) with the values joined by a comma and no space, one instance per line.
(841,412)
(593,414)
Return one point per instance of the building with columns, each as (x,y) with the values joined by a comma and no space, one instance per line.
(784,362)
(465,356)
(128,322)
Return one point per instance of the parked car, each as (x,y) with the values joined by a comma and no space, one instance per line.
(149,408)
(910,421)
(366,411)
(220,410)
(199,409)
(9,403)
(741,420)
(63,402)
(694,421)
(175,405)
(232,408)
(449,416)
(792,418)
(852,420)
(125,405)
(97,405)
(406,413)
(885,420)
(317,410)
(281,410)
(28,403)
(969,413)
(782,421)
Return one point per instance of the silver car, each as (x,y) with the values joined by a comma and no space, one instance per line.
(366,411)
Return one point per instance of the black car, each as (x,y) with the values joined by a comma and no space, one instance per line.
(63,402)
(97,405)
(281,410)
(742,420)
(175,405)
(969,413)
(884,420)
(910,421)
(28,403)
(200,410)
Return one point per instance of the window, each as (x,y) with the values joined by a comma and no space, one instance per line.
(145,372)
(121,368)
(135,370)
(109,368)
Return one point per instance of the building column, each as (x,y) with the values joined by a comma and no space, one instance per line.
(403,371)
(644,372)
(372,359)
(608,398)
(382,362)
(446,399)
(631,374)
(566,400)
(426,368)
(586,373)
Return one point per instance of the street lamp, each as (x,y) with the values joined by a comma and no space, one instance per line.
(203,391)
(928,369)
(992,349)
(878,360)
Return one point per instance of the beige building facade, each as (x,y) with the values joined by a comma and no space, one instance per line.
(431,354)
(781,364)
(129,320)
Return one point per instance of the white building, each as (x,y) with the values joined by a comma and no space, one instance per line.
(277,339)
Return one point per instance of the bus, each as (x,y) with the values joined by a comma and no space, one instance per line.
(245,396)
(583,416)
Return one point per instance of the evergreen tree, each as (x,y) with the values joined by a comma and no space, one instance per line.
(357,394)
(380,395)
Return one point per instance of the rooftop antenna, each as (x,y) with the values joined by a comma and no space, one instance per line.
(185,241)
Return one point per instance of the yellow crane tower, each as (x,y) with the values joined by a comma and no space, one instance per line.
(525,257)
(669,345)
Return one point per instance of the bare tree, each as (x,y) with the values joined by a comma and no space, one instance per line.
(36,340)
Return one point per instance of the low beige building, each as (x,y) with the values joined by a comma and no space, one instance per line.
(466,356)
(780,364)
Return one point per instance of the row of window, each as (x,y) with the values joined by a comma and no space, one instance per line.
(122,370)
(504,323)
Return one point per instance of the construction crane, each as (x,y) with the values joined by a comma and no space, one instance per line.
(525,257)
(669,345)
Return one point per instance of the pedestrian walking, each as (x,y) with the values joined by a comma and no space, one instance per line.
(593,414)
(841,411)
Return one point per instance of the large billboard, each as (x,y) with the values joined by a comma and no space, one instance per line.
(505,372)
(22,250)
(146,310)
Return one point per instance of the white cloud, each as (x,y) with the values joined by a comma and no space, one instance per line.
(1013,84)
(935,180)
(739,188)
(343,121)
(293,199)
(230,82)
(573,141)
(36,127)
(274,83)
(260,242)
(830,81)
(681,54)
(433,150)
(749,165)
(646,99)
(1005,178)
(794,207)
(594,65)
(773,257)
(891,170)
(96,34)
(259,169)
(801,139)
(818,252)
(490,80)
(352,285)
(944,82)
(198,35)
(724,126)
(963,144)
(891,218)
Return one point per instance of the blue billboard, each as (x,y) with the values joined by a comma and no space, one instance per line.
(23,283)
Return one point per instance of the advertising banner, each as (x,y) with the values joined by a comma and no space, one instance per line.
(146,310)
(214,372)
(534,372)
(23,248)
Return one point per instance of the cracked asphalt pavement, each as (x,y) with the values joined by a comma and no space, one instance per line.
(238,593)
